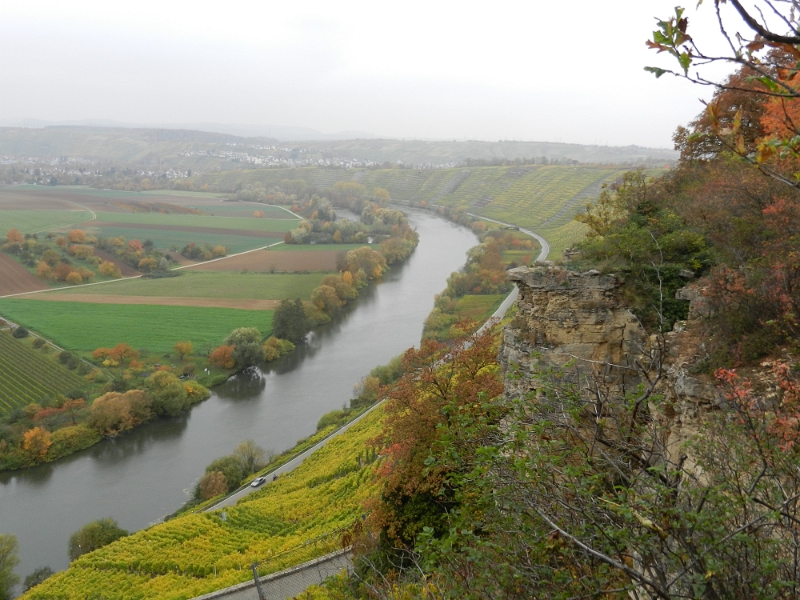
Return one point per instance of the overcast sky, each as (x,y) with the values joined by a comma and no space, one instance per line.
(524,70)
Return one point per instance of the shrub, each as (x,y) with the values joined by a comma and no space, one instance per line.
(20,332)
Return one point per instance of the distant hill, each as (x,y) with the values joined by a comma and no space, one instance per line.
(210,151)
(420,152)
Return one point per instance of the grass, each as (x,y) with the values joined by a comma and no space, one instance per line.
(168,239)
(182,220)
(84,327)
(199,553)
(26,375)
(319,247)
(221,284)
(34,221)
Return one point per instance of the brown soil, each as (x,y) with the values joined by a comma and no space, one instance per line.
(243,303)
(181,259)
(16,279)
(217,230)
(265,261)
(126,270)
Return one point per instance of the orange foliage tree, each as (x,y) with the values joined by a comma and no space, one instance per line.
(76,236)
(222,356)
(37,442)
(439,382)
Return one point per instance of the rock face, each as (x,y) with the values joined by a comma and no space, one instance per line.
(572,318)
(580,320)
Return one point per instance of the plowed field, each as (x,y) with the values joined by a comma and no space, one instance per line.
(241,303)
(264,261)
(15,279)
(126,270)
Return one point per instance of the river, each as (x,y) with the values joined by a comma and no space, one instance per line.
(147,473)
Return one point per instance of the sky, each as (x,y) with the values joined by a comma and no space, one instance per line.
(537,70)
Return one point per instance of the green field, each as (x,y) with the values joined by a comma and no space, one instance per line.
(220,284)
(27,376)
(85,327)
(34,221)
(181,220)
(319,247)
(167,239)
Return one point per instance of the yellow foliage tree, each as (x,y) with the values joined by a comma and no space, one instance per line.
(37,442)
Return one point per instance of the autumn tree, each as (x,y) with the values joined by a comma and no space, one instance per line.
(222,356)
(94,535)
(114,412)
(14,236)
(109,269)
(76,236)
(370,261)
(211,485)
(183,349)
(37,442)
(440,384)
(326,299)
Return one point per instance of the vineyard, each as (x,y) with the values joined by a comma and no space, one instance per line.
(199,553)
(27,376)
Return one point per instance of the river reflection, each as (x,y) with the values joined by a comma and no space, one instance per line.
(140,476)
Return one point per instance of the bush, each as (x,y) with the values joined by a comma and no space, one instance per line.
(20,332)
(335,417)
(93,536)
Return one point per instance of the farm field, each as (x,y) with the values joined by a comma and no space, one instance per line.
(198,553)
(27,376)
(36,221)
(144,327)
(272,260)
(170,239)
(16,279)
(191,284)
(275,224)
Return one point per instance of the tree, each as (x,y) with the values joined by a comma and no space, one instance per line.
(109,269)
(170,396)
(37,442)
(222,356)
(253,457)
(8,560)
(247,348)
(14,236)
(76,236)
(37,577)
(183,348)
(290,321)
(231,467)
(370,261)
(211,485)
(94,535)
(765,43)
(326,299)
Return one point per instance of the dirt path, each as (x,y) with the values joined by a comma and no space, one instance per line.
(242,303)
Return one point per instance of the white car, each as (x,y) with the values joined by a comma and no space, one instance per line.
(258,481)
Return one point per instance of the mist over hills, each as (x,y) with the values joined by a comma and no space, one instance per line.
(215,149)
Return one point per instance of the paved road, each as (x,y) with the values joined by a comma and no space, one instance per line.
(289,466)
(292,464)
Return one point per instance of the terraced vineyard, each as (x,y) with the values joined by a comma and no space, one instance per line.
(199,553)
(26,376)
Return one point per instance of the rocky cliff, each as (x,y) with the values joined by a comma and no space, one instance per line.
(578,320)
